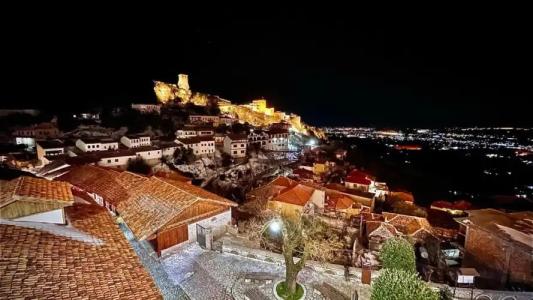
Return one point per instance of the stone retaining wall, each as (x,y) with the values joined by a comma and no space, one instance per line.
(325,268)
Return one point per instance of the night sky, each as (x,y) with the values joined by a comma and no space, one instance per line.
(333,66)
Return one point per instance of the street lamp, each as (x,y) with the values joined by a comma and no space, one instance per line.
(275,226)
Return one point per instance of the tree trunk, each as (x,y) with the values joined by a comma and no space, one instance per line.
(291,271)
(290,279)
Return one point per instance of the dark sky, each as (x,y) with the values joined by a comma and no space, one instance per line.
(334,66)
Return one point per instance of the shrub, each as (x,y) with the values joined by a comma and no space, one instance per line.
(394,284)
(445,293)
(398,253)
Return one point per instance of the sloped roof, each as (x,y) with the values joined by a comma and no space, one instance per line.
(298,195)
(406,224)
(63,267)
(516,227)
(35,189)
(338,201)
(196,139)
(283,181)
(198,192)
(156,201)
(359,177)
(96,180)
(151,205)
(130,180)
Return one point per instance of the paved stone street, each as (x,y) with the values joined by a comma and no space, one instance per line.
(212,275)
(168,288)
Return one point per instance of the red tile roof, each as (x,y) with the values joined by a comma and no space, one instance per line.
(35,189)
(97,180)
(298,195)
(38,264)
(359,177)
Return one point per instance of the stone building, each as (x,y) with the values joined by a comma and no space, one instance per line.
(500,246)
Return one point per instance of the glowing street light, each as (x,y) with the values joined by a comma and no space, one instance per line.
(275,226)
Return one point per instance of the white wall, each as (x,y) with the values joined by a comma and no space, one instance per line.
(135,142)
(115,161)
(317,198)
(28,141)
(54,216)
(185,133)
(168,151)
(152,154)
(216,223)
(235,148)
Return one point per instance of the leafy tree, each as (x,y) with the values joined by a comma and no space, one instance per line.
(398,253)
(140,166)
(183,155)
(300,238)
(226,159)
(396,284)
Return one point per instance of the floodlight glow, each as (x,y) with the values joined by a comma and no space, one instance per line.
(275,226)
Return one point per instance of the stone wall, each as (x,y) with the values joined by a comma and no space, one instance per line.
(228,246)
(496,259)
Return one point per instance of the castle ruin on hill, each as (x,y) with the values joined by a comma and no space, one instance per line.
(256,113)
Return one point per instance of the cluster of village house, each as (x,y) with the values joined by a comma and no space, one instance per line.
(198,135)
(496,245)
(73,214)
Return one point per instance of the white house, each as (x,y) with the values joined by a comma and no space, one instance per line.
(118,159)
(88,145)
(135,141)
(278,140)
(49,148)
(204,131)
(201,145)
(185,133)
(148,153)
(196,119)
(168,148)
(258,138)
(235,145)
(190,131)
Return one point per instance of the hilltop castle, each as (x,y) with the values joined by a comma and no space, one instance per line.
(256,113)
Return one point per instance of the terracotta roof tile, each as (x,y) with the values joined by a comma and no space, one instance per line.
(96,180)
(35,189)
(35,264)
(298,195)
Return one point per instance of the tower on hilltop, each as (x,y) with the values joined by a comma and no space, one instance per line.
(183,82)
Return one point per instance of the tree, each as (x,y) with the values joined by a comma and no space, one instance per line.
(139,165)
(226,159)
(301,238)
(398,253)
(396,284)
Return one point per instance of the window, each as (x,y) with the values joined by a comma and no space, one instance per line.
(242,151)
(242,145)
(108,161)
(234,152)
(234,145)
(116,159)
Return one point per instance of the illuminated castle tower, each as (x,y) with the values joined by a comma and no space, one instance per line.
(183,82)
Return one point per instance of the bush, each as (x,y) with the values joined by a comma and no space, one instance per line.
(394,284)
(398,253)
(139,165)
(445,293)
